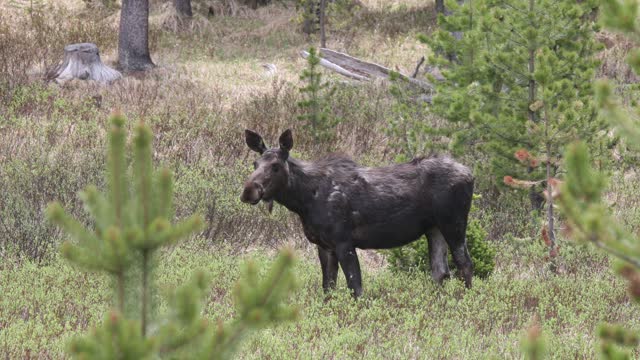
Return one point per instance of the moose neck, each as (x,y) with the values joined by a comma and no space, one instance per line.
(298,194)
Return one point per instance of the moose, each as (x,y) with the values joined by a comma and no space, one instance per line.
(344,206)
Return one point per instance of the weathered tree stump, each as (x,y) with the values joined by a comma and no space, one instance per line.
(82,61)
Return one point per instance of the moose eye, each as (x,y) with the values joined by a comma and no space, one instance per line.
(275,167)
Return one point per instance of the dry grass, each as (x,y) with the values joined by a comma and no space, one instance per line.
(32,40)
(211,84)
(229,51)
(614,58)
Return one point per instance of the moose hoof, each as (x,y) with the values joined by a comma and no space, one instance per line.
(440,278)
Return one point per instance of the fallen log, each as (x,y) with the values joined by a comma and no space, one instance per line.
(361,70)
(82,61)
(337,68)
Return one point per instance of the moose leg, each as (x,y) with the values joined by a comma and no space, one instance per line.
(329,263)
(438,256)
(455,236)
(348,259)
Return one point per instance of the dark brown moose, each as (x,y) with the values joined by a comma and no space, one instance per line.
(344,206)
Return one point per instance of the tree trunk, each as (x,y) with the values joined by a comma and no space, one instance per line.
(550,223)
(535,198)
(183,7)
(323,36)
(82,61)
(309,23)
(133,44)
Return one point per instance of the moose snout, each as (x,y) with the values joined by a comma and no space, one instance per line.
(252,193)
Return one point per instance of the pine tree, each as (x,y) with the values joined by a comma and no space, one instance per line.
(533,344)
(410,126)
(582,198)
(558,108)
(589,219)
(494,55)
(316,105)
(132,221)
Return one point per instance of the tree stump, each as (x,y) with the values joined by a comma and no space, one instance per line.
(82,61)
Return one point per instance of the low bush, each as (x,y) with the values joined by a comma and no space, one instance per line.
(415,256)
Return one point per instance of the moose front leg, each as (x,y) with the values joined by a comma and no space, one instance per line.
(348,259)
(329,263)
(339,234)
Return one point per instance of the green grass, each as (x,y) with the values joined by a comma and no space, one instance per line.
(400,316)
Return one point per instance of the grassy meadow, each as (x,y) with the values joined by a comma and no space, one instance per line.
(210,84)
(401,315)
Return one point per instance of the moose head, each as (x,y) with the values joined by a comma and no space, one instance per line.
(271,170)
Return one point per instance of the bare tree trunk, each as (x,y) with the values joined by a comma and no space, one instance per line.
(551,232)
(309,23)
(183,7)
(534,197)
(323,36)
(133,43)
(532,69)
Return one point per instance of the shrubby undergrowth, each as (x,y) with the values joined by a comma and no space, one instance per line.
(415,256)
(401,315)
(48,141)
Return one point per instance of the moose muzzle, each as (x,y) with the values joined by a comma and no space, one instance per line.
(252,193)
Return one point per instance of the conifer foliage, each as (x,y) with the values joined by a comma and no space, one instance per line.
(517,75)
(132,221)
(582,197)
(582,202)
(316,104)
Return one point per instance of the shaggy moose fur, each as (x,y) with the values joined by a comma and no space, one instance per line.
(344,206)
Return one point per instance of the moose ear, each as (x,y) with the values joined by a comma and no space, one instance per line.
(286,140)
(254,141)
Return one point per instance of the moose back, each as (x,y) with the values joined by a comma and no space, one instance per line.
(344,206)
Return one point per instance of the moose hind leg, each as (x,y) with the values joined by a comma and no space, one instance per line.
(438,256)
(455,236)
(329,263)
(351,267)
